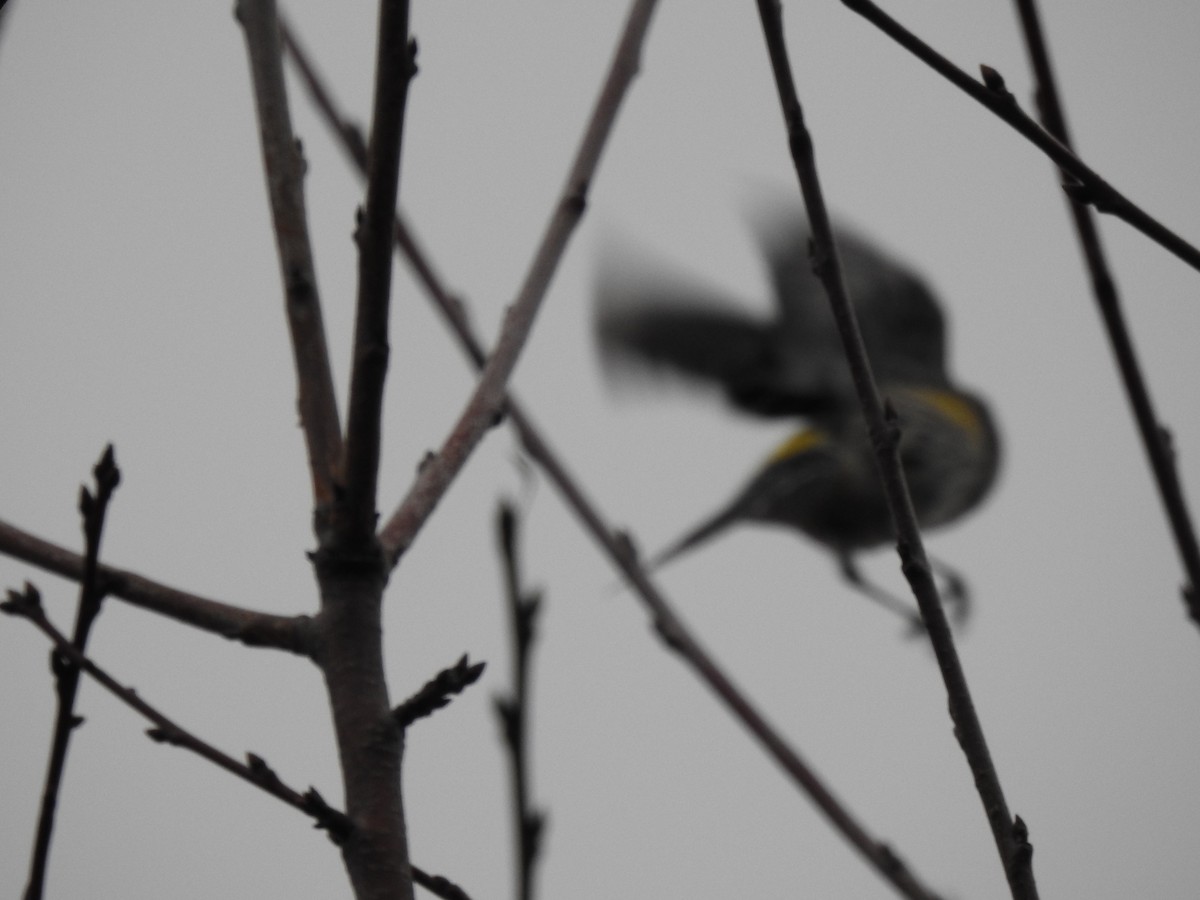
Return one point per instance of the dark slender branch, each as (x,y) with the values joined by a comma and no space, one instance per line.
(284,167)
(675,635)
(291,633)
(349,132)
(619,552)
(255,770)
(28,605)
(512,709)
(1014,855)
(438,691)
(1155,438)
(487,401)
(1085,184)
(93,508)
(395,66)
(351,141)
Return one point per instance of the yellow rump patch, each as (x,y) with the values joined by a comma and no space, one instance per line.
(800,442)
(954,408)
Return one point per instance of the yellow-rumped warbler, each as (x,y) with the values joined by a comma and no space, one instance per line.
(822,480)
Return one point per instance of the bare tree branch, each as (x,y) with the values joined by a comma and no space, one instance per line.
(1015,854)
(487,401)
(619,551)
(349,564)
(1155,438)
(437,693)
(349,132)
(395,67)
(93,508)
(28,605)
(512,709)
(439,886)
(284,167)
(255,770)
(1088,186)
(291,633)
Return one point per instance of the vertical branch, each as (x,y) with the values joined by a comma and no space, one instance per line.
(395,67)
(1155,437)
(284,167)
(348,563)
(93,508)
(1009,834)
(370,743)
(523,608)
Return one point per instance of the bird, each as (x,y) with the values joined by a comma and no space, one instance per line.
(822,480)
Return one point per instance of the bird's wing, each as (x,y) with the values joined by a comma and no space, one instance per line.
(653,325)
(901,322)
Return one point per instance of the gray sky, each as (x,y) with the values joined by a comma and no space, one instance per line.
(141,304)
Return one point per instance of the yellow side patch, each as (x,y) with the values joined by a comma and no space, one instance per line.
(800,442)
(954,408)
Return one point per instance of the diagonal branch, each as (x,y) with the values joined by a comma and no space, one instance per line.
(291,633)
(28,605)
(488,400)
(255,770)
(1155,439)
(437,693)
(284,167)
(1008,833)
(1087,186)
(395,67)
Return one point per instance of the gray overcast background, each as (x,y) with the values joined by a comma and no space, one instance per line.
(140,303)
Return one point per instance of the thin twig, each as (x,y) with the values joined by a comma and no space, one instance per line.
(439,886)
(438,691)
(1155,438)
(512,709)
(619,552)
(487,401)
(1086,185)
(284,167)
(28,605)
(1015,855)
(93,508)
(255,770)
(349,132)
(255,629)
(350,138)
(395,66)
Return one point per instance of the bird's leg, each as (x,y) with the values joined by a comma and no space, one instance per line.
(957,591)
(884,598)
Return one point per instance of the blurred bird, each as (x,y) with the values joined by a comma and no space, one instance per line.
(823,479)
